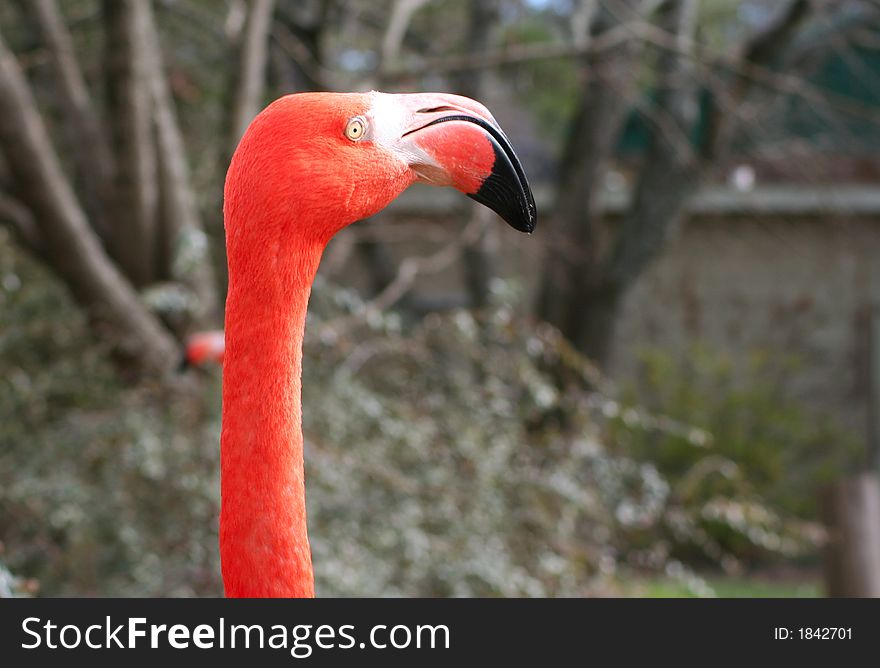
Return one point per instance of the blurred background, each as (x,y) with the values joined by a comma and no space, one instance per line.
(671,389)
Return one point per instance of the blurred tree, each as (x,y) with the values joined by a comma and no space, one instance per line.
(108,221)
(61,228)
(149,126)
(593,264)
(478,257)
(94,161)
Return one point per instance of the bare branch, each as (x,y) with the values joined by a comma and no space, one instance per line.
(91,152)
(401,15)
(521,53)
(294,48)
(758,53)
(300,38)
(410,269)
(183,241)
(251,71)
(716,63)
(581,22)
(767,43)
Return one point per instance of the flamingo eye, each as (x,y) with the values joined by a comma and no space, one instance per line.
(356,128)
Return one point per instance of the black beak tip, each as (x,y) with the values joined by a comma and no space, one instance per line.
(531,221)
(526,225)
(506,190)
(510,200)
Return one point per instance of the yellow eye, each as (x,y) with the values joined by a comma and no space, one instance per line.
(356,128)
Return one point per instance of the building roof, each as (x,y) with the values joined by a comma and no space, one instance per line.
(780,200)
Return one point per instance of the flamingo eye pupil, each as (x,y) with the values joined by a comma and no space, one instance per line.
(356,128)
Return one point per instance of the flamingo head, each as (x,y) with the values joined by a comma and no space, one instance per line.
(345,156)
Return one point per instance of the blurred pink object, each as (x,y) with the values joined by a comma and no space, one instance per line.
(205,348)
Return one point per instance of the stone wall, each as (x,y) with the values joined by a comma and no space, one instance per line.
(779,285)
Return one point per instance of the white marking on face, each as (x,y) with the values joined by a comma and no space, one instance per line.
(387,118)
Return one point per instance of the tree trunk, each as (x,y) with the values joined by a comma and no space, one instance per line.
(133,238)
(380,260)
(478,257)
(588,273)
(852,556)
(575,247)
(591,320)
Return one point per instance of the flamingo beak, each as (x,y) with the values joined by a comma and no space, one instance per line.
(450,140)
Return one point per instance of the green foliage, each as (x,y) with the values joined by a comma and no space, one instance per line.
(726,587)
(748,490)
(432,470)
(470,454)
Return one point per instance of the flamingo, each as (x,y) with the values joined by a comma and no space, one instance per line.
(307,166)
(204,348)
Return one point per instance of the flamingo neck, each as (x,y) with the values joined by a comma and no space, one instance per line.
(264,544)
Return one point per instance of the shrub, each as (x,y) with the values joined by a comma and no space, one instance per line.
(466,454)
(749,490)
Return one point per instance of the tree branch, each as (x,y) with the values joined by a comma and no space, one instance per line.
(771,40)
(757,52)
(21,221)
(511,55)
(301,41)
(406,276)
